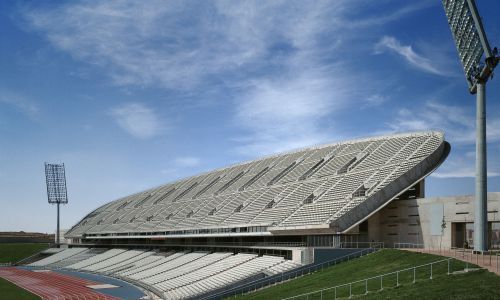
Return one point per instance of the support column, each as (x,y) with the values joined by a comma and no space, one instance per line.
(57,232)
(480,203)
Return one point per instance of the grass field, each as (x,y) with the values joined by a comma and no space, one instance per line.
(472,285)
(15,252)
(10,291)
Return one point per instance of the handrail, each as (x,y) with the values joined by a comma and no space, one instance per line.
(375,277)
(358,244)
(465,254)
(218,245)
(301,271)
(408,245)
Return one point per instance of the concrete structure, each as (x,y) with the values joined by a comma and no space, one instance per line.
(319,196)
(353,194)
(442,222)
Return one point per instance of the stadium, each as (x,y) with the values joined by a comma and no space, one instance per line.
(163,90)
(257,221)
(320,196)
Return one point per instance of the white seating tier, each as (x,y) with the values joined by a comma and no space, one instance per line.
(57,257)
(243,194)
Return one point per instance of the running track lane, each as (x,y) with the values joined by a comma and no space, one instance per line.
(53,286)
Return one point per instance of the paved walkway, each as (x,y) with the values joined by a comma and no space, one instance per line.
(489,262)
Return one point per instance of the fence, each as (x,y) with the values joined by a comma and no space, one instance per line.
(379,282)
(377,245)
(408,246)
(488,259)
(6,264)
(304,270)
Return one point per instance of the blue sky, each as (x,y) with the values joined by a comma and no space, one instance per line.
(134,94)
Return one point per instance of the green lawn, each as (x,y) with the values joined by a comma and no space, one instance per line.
(472,285)
(16,252)
(10,291)
(13,253)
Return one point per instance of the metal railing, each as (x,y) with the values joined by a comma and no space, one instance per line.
(217,245)
(284,276)
(408,246)
(8,264)
(480,259)
(488,259)
(362,287)
(376,245)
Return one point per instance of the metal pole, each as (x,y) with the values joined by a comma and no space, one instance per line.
(57,232)
(480,209)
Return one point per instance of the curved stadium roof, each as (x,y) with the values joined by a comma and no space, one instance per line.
(331,187)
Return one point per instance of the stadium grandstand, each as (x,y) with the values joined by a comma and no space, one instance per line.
(197,236)
(315,196)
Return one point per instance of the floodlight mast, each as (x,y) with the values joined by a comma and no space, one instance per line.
(471,42)
(55,176)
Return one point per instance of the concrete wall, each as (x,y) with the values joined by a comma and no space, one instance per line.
(458,209)
(303,256)
(398,222)
(419,221)
(328,254)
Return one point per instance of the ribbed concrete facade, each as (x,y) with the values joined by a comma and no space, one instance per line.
(328,189)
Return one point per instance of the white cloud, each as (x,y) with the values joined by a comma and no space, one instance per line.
(389,43)
(180,44)
(366,13)
(375,100)
(187,161)
(19,103)
(278,60)
(460,172)
(288,113)
(462,166)
(176,45)
(457,122)
(138,120)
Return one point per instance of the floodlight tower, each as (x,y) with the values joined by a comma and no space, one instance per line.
(472,45)
(55,176)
